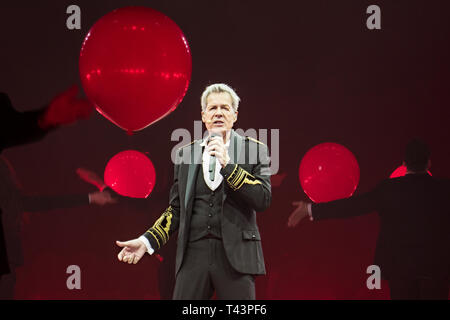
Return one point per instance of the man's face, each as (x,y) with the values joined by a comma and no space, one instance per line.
(219,115)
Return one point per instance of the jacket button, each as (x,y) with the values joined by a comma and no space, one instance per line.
(209,227)
(210,204)
(253,236)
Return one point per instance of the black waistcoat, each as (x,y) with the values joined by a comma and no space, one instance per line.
(206,210)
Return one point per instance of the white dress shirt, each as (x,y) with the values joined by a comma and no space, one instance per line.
(218,178)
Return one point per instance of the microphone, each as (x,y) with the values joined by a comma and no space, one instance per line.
(212,159)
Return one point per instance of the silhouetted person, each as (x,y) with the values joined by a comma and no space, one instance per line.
(14,202)
(17,128)
(413,247)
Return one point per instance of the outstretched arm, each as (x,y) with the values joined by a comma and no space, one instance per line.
(18,128)
(158,235)
(338,209)
(37,203)
(141,204)
(169,221)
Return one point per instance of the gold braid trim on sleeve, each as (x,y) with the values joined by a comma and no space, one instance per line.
(160,233)
(156,238)
(257,141)
(239,177)
(161,228)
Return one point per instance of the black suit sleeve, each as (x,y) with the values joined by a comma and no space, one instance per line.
(46,203)
(12,196)
(17,128)
(254,187)
(344,208)
(169,221)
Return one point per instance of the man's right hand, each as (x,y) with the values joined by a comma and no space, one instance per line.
(101,198)
(132,252)
(299,214)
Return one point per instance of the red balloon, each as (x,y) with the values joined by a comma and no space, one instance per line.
(400,172)
(130,173)
(329,171)
(135,66)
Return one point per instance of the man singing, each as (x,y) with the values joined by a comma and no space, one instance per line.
(219,185)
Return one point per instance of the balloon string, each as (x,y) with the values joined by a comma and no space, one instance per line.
(129,147)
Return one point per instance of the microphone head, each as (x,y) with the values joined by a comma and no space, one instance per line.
(213,134)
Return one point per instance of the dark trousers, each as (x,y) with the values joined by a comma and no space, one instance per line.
(206,269)
(418,288)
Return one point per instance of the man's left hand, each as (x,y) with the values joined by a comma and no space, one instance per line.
(217,148)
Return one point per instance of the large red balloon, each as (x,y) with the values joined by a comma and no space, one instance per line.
(400,172)
(329,171)
(130,173)
(135,66)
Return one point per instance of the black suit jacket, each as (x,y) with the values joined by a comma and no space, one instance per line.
(246,190)
(414,213)
(16,128)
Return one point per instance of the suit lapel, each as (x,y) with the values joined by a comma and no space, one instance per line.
(236,142)
(234,151)
(194,166)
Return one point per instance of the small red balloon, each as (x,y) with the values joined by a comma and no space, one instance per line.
(329,171)
(400,172)
(135,66)
(130,173)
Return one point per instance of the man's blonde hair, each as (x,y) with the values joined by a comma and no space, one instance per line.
(218,88)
